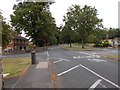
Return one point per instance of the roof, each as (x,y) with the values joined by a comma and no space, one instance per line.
(19,37)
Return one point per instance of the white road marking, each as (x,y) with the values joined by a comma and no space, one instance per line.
(76,57)
(97,60)
(100,76)
(64,59)
(60,60)
(95,84)
(90,54)
(68,70)
(47,53)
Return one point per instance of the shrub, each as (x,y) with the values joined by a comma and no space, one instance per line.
(104,44)
(31,46)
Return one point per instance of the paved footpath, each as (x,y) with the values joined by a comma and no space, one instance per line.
(37,76)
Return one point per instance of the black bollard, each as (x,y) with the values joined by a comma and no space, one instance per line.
(33,57)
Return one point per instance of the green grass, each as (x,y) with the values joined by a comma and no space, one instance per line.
(86,45)
(15,66)
(79,48)
(111,56)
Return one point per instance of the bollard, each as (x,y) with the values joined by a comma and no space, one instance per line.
(33,57)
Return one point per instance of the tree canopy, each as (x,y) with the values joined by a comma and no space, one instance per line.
(35,19)
(5,32)
(82,21)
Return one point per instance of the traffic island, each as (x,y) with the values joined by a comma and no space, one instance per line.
(79,48)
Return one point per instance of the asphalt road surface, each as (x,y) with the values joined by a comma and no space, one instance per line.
(81,69)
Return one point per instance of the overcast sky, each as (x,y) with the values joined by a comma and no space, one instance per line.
(107,9)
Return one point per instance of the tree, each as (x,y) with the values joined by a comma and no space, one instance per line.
(112,32)
(35,19)
(68,35)
(99,35)
(5,32)
(83,21)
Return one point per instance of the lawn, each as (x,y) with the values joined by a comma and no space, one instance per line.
(86,45)
(79,48)
(15,66)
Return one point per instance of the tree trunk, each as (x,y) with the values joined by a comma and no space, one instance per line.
(70,45)
(82,44)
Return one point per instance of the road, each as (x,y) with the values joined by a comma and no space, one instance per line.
(81,69)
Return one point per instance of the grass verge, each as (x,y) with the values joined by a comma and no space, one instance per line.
(86,45)
(113,57)
(15,66)
(79,48)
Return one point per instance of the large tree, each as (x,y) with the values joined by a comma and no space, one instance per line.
(35,19)
(83,21)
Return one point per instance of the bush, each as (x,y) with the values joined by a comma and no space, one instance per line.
(31,46)
(104,44)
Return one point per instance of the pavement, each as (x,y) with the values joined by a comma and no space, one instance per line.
(73,69)
(37,76)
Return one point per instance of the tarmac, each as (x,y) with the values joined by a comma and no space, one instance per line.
(37,76)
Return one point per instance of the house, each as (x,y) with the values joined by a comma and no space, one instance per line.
(115,42)
(17,43)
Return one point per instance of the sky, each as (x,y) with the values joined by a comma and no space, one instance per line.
(107,9)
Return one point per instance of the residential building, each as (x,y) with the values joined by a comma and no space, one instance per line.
(17,43)
(115,42)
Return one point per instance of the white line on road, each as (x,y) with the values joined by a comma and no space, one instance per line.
(100,76)
(58,61)
(47,53)
(95,84)
(68,70)
(97,60)
(64,59)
